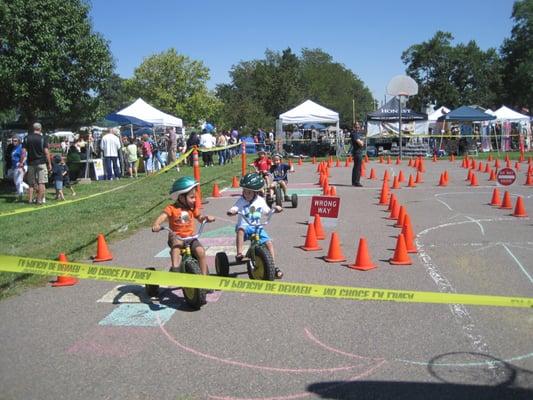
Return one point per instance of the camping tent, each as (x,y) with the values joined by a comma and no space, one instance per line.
(144,111)
(385,120)
(466,114)
(506,114)
(311,112)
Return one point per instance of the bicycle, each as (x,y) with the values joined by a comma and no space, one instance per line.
(194,297)
(279,198)
(259,261)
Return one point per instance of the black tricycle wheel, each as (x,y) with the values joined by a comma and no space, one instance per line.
(194,297)
(279,196)
(261,266)
(222,264)
(151,290)
(294,200)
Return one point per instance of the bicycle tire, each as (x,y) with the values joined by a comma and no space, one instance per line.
(222,264)
(279,196)
(194,297)
(294,200)
(261,267)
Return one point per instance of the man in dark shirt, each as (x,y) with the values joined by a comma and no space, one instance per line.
(39,160)
(356,140)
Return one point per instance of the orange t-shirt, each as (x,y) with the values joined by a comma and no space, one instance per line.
(180,221)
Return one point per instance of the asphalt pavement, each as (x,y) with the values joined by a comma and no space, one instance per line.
(105,340)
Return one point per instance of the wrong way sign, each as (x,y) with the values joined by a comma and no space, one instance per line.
(506,176)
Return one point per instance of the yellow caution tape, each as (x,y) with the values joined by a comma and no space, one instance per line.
(140,276)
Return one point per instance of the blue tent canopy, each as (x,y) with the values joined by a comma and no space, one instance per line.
(126,120)
(466,114)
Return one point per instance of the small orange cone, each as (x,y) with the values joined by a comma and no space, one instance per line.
(495,201)
(216,191)
(395,212)
(434,158)
(398,160)
(61,279)
(410,162)
(469,176)
(492,176)
(347,162)
(372,174)
(381,159)
(384,194)
(489,158)
(519,210)
(411,181)
(319,231)
(332,191)
(473,181)
(480,167)
(496,163)
(386,176)
(338,163)
(401,177)
(311,244)
(407,232)
(389,161)
(235,182)
(400,256)
(362,260)
(300,162)
(335,251)
(421,166)
(506,202)
(446,176)
(395,183)
(442,180)
(102,252)
(401,217)
(487,168)
(529,180)
(392,200)
(419,177)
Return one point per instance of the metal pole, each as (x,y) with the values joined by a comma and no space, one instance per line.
(400,124)
(353,112)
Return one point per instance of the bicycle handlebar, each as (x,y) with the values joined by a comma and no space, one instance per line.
(188,238)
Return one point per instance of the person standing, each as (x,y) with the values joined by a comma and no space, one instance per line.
(38,158)
(110,146)
(356,141)
(172,145)
(19,168)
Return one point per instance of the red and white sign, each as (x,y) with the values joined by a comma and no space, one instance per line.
(506,176)
(325,206)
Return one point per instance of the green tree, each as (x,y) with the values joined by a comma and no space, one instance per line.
(114,95)
(452,76)
(175,84)
(517,54)
(52,64)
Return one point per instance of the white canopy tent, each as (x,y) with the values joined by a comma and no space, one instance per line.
(309,112)
(144,111)
(506,114)
(439,112)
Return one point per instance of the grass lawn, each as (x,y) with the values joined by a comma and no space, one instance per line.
(72,228)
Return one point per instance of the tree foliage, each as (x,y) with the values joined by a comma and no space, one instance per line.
(175,84)
(453,75)
(260,90)
(517,54)
(52,64)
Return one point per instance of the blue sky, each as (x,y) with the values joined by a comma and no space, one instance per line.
(368,37)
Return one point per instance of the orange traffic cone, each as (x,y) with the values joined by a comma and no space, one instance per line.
(384,194)
(300,161)
(381,159)
(216,191)
(495,201)
(401,177)
(489,158)
(473,181)
(519,210)
(480,167)
(311,244)
(419,177)
(529,180)
(389,161)
(61,279)
(421,166)
(398,160)
(442,180)
(492,176)
(469,176)
(506,202)
(102,252)
(338,163)
(386,176)
(411,181)
(401,217)
(372,174)
(496,163)
(347,162)
(400,256)
(487,168)
(335,251)
(407,232)
(395,212)
(362,260)
(392,200)
(319,231)
(446,176)
(235,182)
(410,162)
(434,158)
(332,191)
(395,183)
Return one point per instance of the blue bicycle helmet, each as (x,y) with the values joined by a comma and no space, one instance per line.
(182,185)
